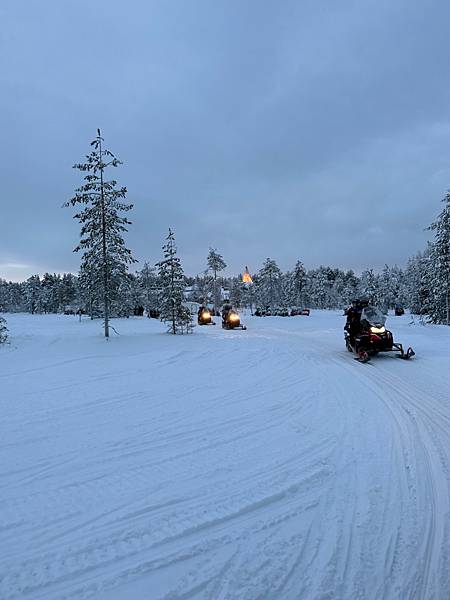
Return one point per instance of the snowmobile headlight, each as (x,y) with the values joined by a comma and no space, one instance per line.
(205,314)
(234,318)
(377,329)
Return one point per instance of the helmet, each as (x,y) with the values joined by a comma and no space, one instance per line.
(360,302)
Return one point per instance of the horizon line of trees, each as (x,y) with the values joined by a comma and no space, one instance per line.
(319,288)
(105,287)
(423,286)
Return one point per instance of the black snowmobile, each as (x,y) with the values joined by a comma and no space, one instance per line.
(204,316)
(366,334)
(231,319)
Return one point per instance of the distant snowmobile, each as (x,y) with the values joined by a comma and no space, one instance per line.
(231,319)
(204,316)
(366,334)
(305,312)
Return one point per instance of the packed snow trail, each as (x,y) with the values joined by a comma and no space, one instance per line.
(256,465)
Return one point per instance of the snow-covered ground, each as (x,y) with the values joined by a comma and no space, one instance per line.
(257,465)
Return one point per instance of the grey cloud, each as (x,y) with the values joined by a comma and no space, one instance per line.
(295,130)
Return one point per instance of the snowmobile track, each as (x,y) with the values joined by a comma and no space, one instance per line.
(217,466)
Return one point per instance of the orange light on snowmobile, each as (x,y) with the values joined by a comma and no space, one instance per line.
(378,329)
(206,314)
(234,317)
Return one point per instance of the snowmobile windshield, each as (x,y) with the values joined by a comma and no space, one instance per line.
(373,316)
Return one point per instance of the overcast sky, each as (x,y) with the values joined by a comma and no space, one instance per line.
(308,129)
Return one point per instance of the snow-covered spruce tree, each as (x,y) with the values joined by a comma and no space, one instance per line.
(369,286)
(397,285)
(207,288)
(3,331)
(216,264)
(268,285)
(16,296)
(286,291)
(428,279)
(440,266)
(171,280)
(416,287)
(337,290)
(319,287)
(68,291)
(102,226)
(349,289)
(386,292)
(236,288)
(390,284)
(50,292)
(148,287)
(298,284)
(32,292)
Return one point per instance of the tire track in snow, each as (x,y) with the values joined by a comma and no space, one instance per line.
(415,425)
(427,422)
(266,490)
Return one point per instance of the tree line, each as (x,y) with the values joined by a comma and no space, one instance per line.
(105,287)
(323,287)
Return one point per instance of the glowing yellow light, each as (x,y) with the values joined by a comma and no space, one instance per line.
(377,329)
(246,277)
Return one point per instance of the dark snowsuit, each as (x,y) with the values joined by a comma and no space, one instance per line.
(353,323)
(226,309)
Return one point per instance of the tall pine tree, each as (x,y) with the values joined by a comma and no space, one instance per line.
(416,283)
(298,284)
(268,285)
(440,264)
(171,280)
(105,256)
(216,264)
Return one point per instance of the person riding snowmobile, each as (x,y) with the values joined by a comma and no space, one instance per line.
(366,334)
(204,316)
(225,310)
(230,318)
(353,313)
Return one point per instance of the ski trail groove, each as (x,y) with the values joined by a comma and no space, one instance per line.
(271,466)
